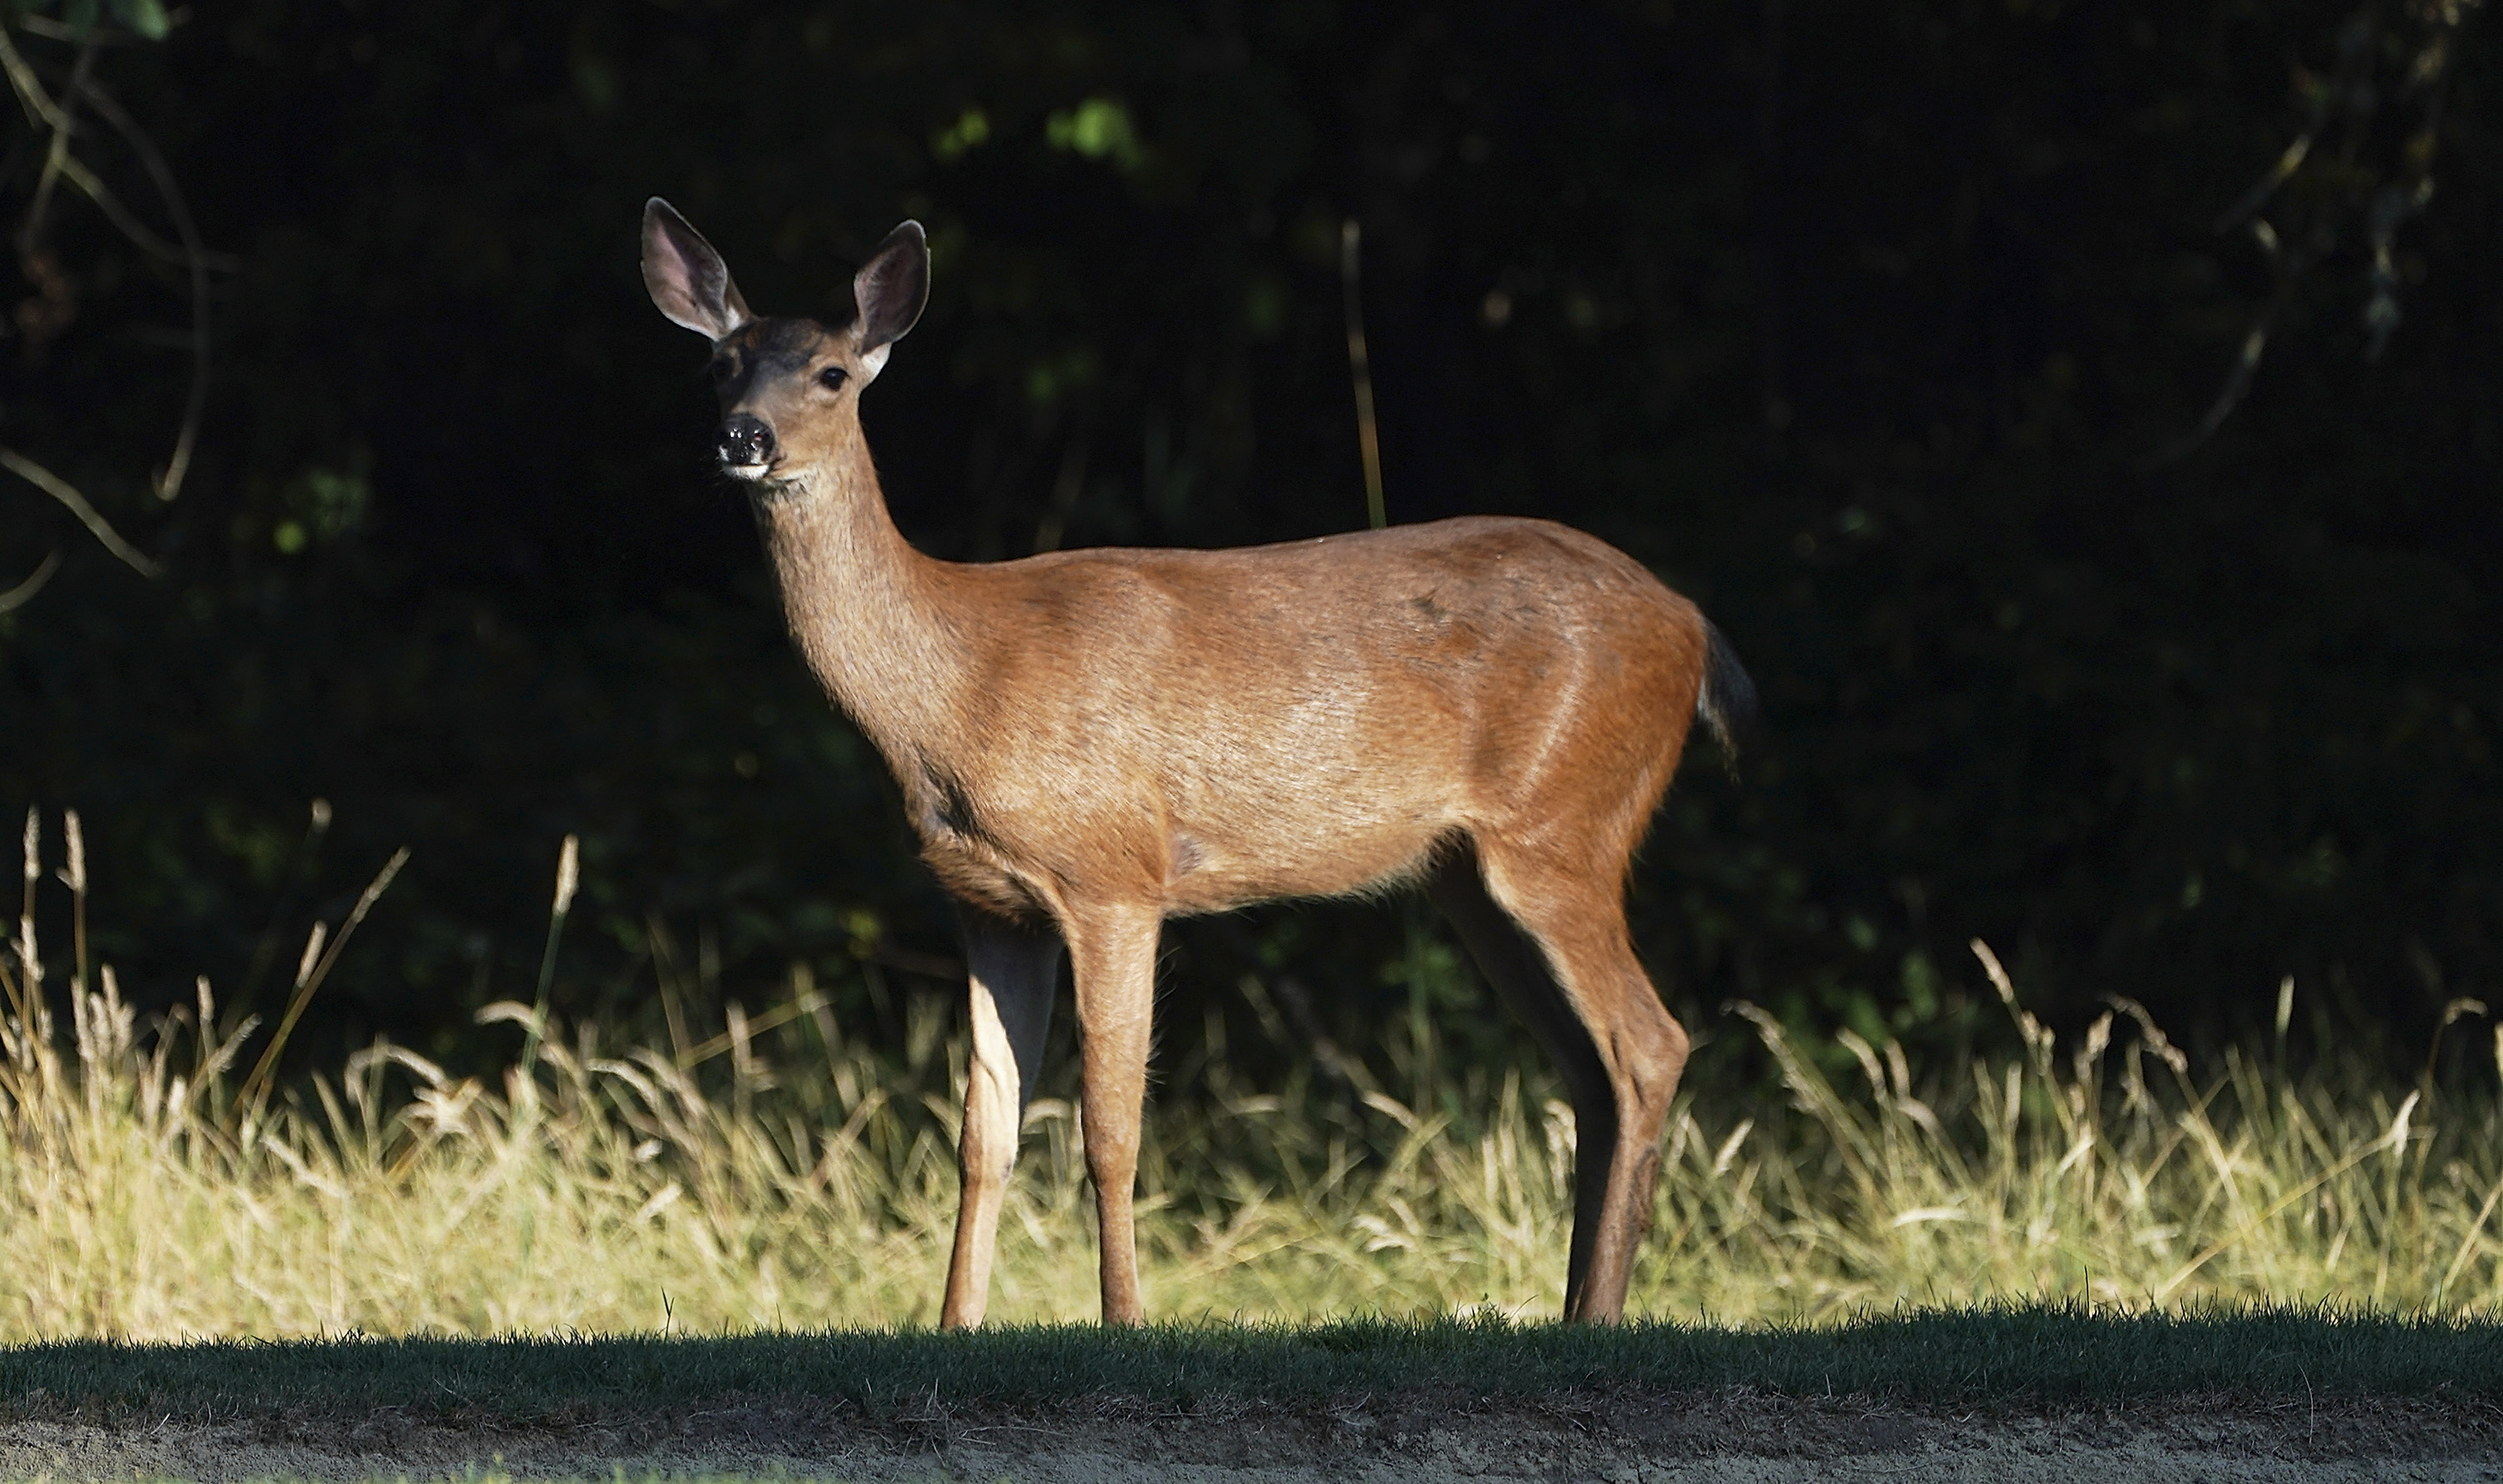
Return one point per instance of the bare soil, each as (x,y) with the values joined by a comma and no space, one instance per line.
(1739,1436)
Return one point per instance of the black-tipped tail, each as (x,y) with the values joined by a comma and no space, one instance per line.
(1727,704)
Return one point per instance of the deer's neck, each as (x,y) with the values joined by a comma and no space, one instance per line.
(868,611)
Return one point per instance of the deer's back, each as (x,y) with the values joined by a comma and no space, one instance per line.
(1312,718)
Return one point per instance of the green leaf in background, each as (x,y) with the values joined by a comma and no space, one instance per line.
(145,17)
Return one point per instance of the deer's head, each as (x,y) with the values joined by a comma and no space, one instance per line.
(789,387)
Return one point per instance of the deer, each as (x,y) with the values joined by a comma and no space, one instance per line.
(1092,741)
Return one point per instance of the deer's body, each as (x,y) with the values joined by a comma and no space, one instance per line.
(1203,730)
(1090,742)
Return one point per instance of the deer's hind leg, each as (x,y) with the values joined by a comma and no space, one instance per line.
(1552,935)
(1010,973)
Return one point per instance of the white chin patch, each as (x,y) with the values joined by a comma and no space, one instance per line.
(750,472)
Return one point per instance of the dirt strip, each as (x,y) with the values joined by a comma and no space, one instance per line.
(1740,1438)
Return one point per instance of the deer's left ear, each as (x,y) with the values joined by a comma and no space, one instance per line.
(891,288)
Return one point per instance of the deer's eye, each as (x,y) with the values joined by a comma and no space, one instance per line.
(831,378)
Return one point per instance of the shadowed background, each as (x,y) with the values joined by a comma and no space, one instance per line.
(1862,325)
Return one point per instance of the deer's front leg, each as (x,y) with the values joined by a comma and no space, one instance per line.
(1112,954)
(1010,971)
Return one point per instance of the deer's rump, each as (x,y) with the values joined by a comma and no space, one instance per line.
(1207,729)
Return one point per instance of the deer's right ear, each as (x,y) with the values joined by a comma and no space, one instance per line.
(685,277)
(890,289)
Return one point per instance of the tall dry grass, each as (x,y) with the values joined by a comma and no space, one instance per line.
(783,1174)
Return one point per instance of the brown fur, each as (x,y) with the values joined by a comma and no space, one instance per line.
(1090,742)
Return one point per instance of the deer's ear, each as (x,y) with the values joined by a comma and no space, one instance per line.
(685,276)
(891,288)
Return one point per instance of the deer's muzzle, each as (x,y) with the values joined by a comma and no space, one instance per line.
(746,445)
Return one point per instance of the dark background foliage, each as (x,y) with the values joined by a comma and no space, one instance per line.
(1860,324)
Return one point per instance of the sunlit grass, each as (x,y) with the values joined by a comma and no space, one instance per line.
(788,1176)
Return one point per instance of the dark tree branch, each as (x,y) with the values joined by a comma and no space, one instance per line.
(67,493)
(2318,198)
(24,593)
(169,482)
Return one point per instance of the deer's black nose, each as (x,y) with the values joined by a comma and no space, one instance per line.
(745,442)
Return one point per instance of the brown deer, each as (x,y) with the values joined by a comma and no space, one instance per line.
(1092,741)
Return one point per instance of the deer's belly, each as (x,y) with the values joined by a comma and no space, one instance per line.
(1212,872)
(1188,866)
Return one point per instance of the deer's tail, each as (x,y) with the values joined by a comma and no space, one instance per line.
(1727,704)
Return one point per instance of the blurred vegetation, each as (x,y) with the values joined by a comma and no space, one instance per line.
(1891,334)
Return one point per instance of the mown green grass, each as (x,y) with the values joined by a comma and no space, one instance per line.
(1984,1357)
